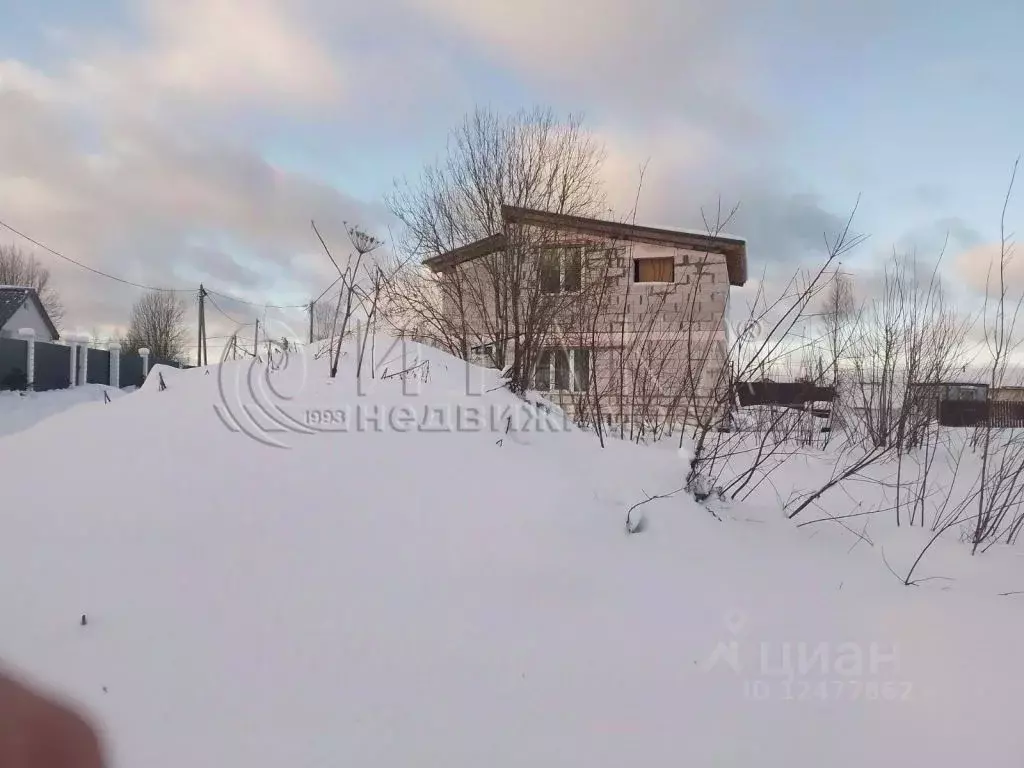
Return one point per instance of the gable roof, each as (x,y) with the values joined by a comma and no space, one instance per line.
(733,248)
(12,297)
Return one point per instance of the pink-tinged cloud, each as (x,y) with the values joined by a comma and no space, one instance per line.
(978,269)
(222,53)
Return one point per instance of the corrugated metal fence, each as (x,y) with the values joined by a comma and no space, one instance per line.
(52,367)
(1000,414)
(782,393)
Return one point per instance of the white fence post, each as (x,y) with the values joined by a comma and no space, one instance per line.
(145,361)
(115,364)
(29,335)
(73,346)
(83,363)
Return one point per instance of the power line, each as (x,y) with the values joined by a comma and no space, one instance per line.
(47,248)
(256,303)
(229,317)
(223,341)
(100,272)
(327,289)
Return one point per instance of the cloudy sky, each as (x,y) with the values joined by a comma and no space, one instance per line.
(177,141)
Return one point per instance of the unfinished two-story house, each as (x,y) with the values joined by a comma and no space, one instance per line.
(612,321)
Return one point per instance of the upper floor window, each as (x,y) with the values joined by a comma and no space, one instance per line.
(561,270)
(659,270)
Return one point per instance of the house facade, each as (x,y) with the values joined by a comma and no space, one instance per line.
(20,307)
(612,321)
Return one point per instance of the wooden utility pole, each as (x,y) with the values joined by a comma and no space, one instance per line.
(256,339)
(203,358)
(312,305)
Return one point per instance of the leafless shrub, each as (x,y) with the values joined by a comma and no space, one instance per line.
(723,459)
(999,514)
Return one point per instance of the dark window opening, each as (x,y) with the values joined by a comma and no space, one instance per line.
(561,270)
(660,270)
(550,273)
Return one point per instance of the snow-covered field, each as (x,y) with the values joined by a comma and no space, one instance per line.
(408,595)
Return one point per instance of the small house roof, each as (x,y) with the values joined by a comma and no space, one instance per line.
(12,297)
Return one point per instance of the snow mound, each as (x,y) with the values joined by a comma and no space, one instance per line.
(285,572)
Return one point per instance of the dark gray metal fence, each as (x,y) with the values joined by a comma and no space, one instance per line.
(53,363)
(131,369)
(99,367)
(783,393)
(13,363)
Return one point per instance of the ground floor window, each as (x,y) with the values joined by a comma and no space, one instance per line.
(563,368)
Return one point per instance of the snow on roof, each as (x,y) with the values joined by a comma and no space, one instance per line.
(11,299)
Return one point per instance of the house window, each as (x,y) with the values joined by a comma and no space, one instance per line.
(974,393)
(482,355)
(561,270)
(660,270)
(566,370)
(550,273)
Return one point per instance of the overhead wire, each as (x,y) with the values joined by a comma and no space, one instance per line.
(327,289)
(257,303)
(144,286)
(59,255)
(229,317)
(208,293)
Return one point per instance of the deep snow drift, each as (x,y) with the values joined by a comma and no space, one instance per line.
(399,594)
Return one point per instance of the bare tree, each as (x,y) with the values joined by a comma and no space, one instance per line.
(529,159)
(1002,470)
(21,269)
(158,323)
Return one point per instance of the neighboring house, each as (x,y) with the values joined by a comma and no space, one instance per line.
(20,307)
(635,326)
(971,391)
(928,397)
(1014,394)
(951,390)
